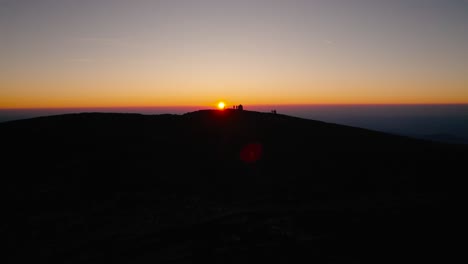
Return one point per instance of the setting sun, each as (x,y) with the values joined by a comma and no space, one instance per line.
(221,105)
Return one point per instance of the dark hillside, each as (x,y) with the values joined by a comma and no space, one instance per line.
(224,187)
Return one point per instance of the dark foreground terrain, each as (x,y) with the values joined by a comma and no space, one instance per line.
(224,187)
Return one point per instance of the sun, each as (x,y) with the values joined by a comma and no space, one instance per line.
(221,105)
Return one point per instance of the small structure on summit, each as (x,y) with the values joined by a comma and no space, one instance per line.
(238,107)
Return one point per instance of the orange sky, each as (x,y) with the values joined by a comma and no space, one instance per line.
(174,53)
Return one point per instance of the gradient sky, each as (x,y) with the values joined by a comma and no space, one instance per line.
(89,53)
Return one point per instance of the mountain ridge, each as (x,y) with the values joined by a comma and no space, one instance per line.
(148,185)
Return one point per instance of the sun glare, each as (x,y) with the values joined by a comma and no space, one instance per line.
(221,105)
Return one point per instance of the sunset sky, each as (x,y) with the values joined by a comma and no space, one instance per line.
(120,53)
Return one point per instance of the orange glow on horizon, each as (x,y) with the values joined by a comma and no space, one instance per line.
(104,104)
(144,98)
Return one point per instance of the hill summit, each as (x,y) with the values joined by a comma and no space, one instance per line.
(223,186)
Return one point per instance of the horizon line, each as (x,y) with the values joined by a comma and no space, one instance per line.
(248,105)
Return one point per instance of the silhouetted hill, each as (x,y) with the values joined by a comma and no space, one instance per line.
(446,138)
(224,187)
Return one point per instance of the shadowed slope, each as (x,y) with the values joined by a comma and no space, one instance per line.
(129,188)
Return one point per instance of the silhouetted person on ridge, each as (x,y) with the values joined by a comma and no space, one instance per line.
(240,108)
